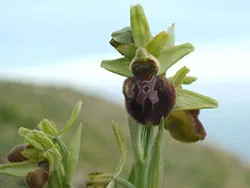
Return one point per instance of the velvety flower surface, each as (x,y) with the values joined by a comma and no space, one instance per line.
(147,101)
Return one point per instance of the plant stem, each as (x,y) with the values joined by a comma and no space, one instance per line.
(142,140)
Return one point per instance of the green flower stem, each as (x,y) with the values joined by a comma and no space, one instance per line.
(156,162)
(141,174)
(142,140)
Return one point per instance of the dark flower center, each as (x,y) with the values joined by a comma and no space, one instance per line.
(147,91)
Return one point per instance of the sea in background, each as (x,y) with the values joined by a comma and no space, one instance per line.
(228,127)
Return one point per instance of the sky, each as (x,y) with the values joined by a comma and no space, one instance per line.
(38,38)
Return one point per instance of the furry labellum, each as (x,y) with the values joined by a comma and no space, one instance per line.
(147,101)
(38,178)
(15,154)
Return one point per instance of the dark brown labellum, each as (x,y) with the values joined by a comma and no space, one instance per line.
(15,154)
(38,178)
(147,101)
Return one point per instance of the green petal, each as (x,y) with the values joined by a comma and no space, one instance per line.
(139,26)
(171,36)
(73,157)
(170,55)
(127,50)
(189,80)
(179,76)
(188,100)
(157,43)
(119,66)
(123,36)
(185,126)
(18,169)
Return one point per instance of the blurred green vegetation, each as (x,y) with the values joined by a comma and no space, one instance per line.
(187,165)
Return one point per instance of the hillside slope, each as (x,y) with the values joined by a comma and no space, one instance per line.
(189,166)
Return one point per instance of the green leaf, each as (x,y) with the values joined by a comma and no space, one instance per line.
(57,177)
(73,117)
(185,126)
(189,100)
(122,147)
(171,36)
(189,80)
(157,43)
(36,138)
(119,66)
(104,180)
(122,183)
(54,157)
(111,184)
(156,164)
(48,127)
(18,169)
(170,55)
(73,157)
(123,36)
(139,26)
(131,177)
(179,77)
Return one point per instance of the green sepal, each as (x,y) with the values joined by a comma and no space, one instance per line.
(123,36)
(156,45)
(127,50)
(118,66)
(185,126)
(36,138)
(48,127)
(189,100)
(20,169)
(139,26)
(170,55)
